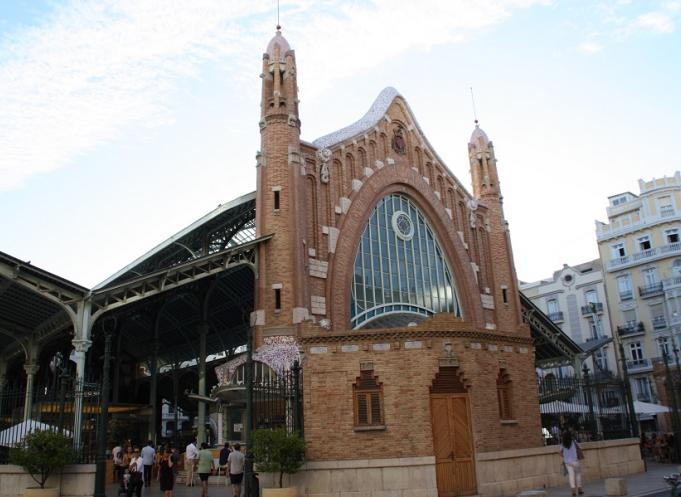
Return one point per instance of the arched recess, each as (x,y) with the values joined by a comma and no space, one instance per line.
(401,179)
(401,274)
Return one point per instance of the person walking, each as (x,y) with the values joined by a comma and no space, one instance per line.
(205,467)
(119,467)
(235,467)
(166,475)
(136,469)
(148,459)
(570,451)
(222,463)
(191,453)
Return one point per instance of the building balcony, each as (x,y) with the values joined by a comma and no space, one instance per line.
(593,308)
(556,317)
(671,283)
(639,365)
(651,290)
(659,322)
(631,328)
(649,255)
(626,295)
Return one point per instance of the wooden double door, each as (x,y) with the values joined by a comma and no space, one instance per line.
(453,444)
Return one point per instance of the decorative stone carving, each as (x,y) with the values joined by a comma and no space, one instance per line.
(324,174)
(399,144)
(325,324)
(448,358)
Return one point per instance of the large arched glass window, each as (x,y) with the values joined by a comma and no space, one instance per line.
(400,271)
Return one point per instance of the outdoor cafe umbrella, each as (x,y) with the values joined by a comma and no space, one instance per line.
(14,435)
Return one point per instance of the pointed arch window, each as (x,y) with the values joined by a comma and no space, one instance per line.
(400,272)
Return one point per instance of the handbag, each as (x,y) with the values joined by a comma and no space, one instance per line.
(580,452)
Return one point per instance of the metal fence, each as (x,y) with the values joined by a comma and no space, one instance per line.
(278,401)
(51,408)
(594,409)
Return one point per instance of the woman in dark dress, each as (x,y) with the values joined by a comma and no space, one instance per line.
(165,474)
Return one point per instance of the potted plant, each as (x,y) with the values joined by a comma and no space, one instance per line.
(43,453)
(278,451)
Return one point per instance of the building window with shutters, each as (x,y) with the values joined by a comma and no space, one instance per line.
(505,395)
(368,398)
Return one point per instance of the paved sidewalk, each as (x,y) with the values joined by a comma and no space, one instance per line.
(637,485)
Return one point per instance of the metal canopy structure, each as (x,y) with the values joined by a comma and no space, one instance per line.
(552,346)
(35,306)
(186,300)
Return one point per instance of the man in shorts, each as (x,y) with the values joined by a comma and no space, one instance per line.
(205,467)
(235,466)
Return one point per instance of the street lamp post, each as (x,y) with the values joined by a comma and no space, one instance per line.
(627,392)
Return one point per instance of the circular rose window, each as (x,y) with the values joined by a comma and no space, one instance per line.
(403,225)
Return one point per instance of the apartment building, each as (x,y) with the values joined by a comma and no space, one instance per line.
(574,299)
(640,250)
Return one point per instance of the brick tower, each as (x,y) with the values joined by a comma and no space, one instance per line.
(280,289)
(497,273)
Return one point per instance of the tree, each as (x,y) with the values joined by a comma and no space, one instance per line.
(278,451)
(43,452)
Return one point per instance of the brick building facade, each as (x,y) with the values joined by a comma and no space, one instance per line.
(422,370)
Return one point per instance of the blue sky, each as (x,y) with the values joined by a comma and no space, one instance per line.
(122,122)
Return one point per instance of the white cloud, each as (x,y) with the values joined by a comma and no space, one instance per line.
(657,21)
(591,47)
(83,75)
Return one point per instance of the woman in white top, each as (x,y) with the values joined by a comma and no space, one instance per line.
(568,450)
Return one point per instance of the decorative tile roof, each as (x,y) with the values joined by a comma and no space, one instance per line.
(370,119)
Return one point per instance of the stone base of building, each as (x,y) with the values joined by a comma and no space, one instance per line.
(397,477)
(77,480)
(499,473)
(508,472)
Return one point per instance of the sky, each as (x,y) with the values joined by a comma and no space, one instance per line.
(122,122)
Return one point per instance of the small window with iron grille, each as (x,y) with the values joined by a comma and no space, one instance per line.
(505,395)
(368,398)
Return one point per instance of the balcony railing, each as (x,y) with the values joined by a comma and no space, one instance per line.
(631,328)
(659,322)
(671,282)
(667,212)
(645,255)
(650,290)
(626,295)
(594,307)
(555,316)
(636,365)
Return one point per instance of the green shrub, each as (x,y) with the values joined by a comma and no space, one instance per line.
(43,452)
(277,451)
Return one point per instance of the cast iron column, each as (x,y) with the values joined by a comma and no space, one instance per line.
(100,475)
(201,428)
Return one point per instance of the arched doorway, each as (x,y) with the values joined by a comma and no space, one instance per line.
(452,434)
